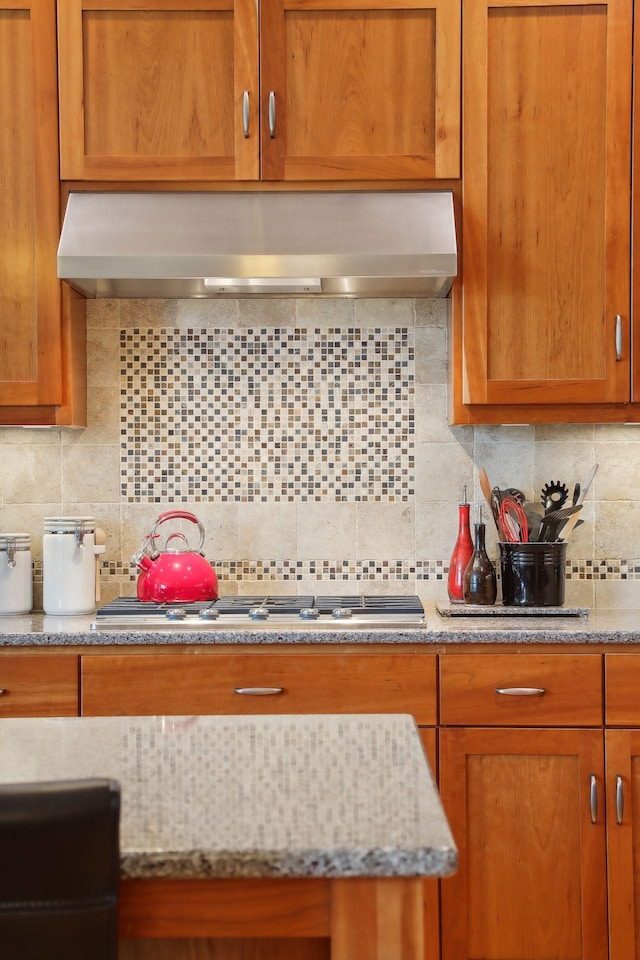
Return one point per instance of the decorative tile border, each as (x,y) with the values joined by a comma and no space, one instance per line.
(327,571)
(267,414)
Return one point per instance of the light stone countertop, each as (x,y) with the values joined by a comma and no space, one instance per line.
(276,796)
(600,626)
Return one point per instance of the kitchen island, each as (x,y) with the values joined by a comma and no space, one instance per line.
(289,826)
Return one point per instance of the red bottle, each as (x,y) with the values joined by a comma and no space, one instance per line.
(462,553)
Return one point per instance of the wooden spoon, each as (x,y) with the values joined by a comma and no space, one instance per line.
(487,490)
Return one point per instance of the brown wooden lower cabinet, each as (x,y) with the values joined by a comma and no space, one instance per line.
(531,836)
(256,683)
(265,683)
(38,685)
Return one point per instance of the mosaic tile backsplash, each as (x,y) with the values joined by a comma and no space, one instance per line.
(267,415)
(310,437)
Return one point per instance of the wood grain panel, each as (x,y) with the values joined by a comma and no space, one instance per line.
(171,65)
(30,349)
(546,194)
(531,881)
(38,685)
(153,91)
(224,949)
(572,686)
(622,683)
(361,93)
(224,908)
(623,843)
(142,684)
(546,230)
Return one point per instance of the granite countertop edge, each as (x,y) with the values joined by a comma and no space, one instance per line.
(374,862)
(600,626)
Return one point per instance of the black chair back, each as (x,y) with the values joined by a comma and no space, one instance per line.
(59,870)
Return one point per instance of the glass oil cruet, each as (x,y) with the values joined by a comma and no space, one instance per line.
(462,552)
(479,582)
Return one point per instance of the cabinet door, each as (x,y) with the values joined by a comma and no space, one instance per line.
(360,90)
(155,89)
(623,842)
(546,224)
(30,337)
(38,685)
(532,875)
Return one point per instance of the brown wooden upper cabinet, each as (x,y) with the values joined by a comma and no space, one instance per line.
(33,358)
(304,90)
(546,210)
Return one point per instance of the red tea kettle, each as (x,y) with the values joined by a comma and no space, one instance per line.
(176,574)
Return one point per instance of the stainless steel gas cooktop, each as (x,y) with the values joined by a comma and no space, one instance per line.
(330,612)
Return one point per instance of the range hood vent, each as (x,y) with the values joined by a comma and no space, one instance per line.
(179,245)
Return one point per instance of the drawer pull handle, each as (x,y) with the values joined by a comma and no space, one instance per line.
(521,691)
(619,799)
(246,114)
(258,691)
(272,113)
(3,691)
(593,798)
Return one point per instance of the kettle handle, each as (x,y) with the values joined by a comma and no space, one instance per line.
(180,515)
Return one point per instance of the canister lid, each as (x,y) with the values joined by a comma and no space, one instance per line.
(15,541)
(69,524)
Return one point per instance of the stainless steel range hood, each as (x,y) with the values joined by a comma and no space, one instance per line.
(177,245)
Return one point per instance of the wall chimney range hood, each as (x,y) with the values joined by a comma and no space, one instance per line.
(219,244)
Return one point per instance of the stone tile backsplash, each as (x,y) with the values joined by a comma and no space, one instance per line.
(310,437)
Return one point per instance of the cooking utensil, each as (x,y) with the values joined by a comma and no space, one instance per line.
(513,521)
(552,523)
(177,573)
(576,494)
(571,524)
(485,486)
(534,518)
(587,483)
(554,495)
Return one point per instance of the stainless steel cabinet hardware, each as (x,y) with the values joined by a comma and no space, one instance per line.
(618,337)
(272,114)
(258,691)
(593,798)
(619,799)
(246,115)
(521,691)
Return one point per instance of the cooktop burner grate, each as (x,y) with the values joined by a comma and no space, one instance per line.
(340,610)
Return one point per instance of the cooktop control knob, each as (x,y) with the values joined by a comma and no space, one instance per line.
(176,613)
(209,613)
(259,613)
(309,613)
(342,613)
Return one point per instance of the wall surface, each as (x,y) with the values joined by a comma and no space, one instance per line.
(310,437)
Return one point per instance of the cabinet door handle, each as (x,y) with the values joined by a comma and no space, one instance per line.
(272,114)
(258,691)
(521,691)
(618,337)
(3,691)
(619,799)
(593,798)
(246,114)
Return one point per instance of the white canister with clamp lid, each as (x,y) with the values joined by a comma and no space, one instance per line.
(16,574)
(69,565)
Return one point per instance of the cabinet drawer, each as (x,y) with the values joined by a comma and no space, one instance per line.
(141,684)
(622,685)
(538,690)
(38,686)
